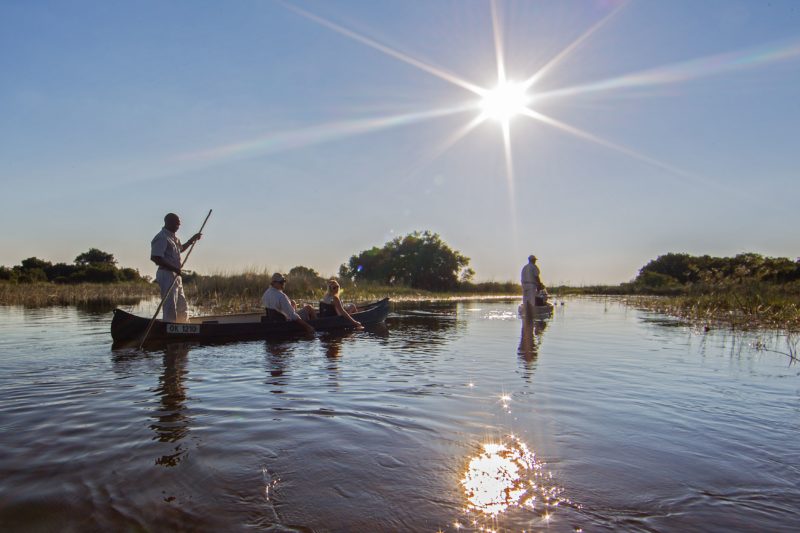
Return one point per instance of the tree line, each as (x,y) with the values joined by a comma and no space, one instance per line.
(419,260)
(92,266)
(422,260)
(682,270)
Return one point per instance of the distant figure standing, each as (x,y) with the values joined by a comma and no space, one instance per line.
(165,251)
(531,284)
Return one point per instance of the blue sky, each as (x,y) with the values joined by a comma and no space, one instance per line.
(317,129)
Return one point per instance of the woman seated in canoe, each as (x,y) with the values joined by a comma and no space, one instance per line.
(331,305)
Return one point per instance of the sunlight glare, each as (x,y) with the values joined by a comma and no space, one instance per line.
(496,478)
(505,101)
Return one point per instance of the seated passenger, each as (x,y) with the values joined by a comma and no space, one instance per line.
(331,305)
(541,297)
(277,303)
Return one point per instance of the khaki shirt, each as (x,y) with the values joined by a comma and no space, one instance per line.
(167,245)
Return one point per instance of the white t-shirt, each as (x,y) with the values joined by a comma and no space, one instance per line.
(277,300)
(530,273)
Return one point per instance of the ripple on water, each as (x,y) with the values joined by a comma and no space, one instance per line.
(644,425)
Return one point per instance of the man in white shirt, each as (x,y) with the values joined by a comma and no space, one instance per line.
(531,284)
(165,251)
(276,300)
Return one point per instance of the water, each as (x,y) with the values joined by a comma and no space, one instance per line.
(452,417)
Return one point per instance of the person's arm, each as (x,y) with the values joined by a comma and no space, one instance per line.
(289,312)
(194,238)
(163,263)
(340,310)
(306,326)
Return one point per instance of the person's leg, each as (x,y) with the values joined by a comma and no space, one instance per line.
(307,313)
(181,307)
(528,299)
(168,310)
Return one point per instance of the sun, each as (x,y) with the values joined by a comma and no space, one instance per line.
(505,101)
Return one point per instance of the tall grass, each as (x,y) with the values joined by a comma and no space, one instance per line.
(44,293)
(231,292)
(738,305)
(241,292)
(226,292)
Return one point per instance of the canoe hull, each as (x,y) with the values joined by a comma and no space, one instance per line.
(539,311)
(126,327)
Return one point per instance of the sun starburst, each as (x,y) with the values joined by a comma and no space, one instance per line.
(506,101)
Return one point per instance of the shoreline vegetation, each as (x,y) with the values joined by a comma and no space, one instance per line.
(745,292)
(743,307)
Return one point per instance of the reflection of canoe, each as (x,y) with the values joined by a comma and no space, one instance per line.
(126,327)
(539,311)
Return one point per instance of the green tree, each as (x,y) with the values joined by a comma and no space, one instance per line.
(31,270)
(99,273)
(676,266)
(304,272)
(60,272)
(34,263)
(655,280)
(7,274)
(421,260)
(686,269)
(95,257)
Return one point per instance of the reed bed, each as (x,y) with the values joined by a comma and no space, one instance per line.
(220,293)
(225,292)
(745,308)
(739,306)
(44,294)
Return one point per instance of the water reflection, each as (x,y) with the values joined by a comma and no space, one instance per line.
(171,422)
(677,430)
(425,331)
(529,342)
(277,355)
(504,476)
(332,343)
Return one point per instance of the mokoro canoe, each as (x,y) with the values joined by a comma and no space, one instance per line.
(126,327)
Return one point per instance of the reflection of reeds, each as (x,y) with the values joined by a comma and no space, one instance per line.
(43,294)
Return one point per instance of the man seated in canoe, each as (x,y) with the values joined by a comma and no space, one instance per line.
(279,305)
(331,305)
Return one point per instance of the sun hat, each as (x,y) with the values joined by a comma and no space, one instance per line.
(277,277)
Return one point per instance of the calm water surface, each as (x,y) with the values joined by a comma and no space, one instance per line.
(453,417)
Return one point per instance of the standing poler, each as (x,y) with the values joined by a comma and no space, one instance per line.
(165,251)
(531,284)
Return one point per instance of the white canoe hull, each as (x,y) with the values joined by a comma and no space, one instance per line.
(539,311)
